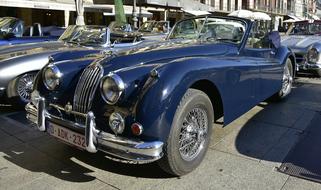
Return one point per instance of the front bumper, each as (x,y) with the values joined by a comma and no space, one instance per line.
(125,150)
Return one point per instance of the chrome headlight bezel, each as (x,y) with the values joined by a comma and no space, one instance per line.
(111,88)
(55,75)
(313,56)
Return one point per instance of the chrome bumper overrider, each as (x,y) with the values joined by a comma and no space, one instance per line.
(122,148)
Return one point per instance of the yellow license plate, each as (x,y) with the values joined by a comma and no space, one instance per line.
(67,135)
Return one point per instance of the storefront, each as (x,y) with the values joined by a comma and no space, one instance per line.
(51,12)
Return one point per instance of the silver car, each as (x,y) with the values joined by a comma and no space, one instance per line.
(303,38)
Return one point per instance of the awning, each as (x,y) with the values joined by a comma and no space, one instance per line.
(295,18)
(129,11)
(51,5)
(197,13)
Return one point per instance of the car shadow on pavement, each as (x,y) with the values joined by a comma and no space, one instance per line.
(269,135)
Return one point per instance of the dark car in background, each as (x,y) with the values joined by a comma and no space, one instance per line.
(13,31)
(159,102)
(304,39)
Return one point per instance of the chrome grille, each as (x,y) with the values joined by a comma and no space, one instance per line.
(85,90)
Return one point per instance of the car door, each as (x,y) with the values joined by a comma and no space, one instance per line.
(266,57)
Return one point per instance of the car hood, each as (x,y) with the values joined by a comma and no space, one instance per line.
(300,41)
(164,52)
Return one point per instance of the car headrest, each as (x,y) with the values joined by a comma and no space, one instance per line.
(37,30)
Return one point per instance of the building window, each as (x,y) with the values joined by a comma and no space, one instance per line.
(236,5)
(203,1)
(221,5)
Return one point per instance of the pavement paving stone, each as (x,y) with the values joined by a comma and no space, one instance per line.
(83,164)
(281,113)
(48,182)
(294,183)
(225,171)
(219,132)
(305,120)
(12,127)
(22,164)
(275,156)
(8,140)
(252,141)
(29,135)
(306,96)
(121,175)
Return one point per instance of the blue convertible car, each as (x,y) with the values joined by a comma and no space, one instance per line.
(13,31)
(160,102)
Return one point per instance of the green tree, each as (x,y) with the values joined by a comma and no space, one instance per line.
(120,16)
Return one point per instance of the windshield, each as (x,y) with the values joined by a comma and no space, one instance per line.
(154,27)
(91,35)
(210,29)
(7,24)
(305,28)
(120,27)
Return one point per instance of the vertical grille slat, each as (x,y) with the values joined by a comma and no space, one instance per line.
(85,90)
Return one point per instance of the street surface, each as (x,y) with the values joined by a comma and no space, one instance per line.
(243,155)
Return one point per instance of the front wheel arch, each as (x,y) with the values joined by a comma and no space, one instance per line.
(213,93)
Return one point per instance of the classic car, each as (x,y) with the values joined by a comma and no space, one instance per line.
(155,30)
(303,38)
(20,63)
(161,102)
(13,31)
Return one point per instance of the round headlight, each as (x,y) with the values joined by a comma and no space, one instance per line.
(313,56)
(51,77)
(112,86)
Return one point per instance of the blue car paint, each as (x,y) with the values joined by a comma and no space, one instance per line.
(232,69)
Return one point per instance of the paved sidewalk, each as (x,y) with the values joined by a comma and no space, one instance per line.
(243,155)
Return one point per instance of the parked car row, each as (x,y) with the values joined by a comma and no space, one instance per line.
(142,99)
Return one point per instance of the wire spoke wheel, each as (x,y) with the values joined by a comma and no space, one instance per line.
(287,80)
(24,86)
(193,134)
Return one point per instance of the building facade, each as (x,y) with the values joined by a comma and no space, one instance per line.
(62,12)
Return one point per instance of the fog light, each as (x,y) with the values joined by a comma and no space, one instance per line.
(117,123)
(35,98)
(137,129)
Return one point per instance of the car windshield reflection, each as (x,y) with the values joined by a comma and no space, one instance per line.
(210,29)
(92,35)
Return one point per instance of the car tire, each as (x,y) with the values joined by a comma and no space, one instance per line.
(23,86)
(287,81)
(192,124)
